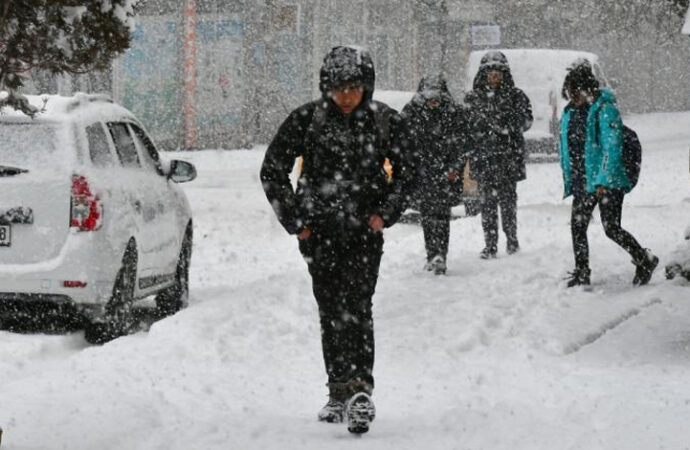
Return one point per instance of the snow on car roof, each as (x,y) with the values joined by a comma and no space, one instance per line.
(686,27)
(533,64)
(539,73)
(395,99)
(58,108)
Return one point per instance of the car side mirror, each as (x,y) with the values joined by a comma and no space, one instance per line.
(181,171)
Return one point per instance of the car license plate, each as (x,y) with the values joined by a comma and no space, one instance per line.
(5,235)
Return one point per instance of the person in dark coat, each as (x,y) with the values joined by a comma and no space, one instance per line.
(593,170)
(499,114)
(341,205)
(438,135)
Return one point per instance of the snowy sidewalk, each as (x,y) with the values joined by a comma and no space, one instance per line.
(495,355)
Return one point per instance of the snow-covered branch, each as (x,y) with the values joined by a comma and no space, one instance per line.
(61,36)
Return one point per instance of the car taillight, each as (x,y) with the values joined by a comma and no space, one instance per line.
(86,210)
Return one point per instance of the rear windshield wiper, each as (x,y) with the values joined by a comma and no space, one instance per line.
(9,171)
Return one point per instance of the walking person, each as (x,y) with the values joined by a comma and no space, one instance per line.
(593,171)
(499,114)
(438,135)
(341,205)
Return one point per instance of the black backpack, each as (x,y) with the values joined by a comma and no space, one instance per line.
(632,155)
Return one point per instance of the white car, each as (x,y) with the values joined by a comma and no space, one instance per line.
(91,218)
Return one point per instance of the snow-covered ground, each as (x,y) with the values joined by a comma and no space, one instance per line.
(496,355)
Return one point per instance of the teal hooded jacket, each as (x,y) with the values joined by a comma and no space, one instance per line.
(603,146)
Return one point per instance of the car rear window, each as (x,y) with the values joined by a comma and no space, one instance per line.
(98,146)
(27,145)
(124,144)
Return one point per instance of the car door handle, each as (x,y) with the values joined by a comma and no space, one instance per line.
(137,205)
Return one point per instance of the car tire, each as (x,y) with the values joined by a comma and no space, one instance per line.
(176,297)
(118,312)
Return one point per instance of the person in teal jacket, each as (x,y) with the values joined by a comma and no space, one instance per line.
(591,146)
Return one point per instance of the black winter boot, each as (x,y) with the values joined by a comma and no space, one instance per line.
(334,410)
(579,277)
(437,264)
(360,413)
(645,268)
(512,246)
(488,253)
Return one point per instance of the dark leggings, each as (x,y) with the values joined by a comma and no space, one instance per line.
(610,210)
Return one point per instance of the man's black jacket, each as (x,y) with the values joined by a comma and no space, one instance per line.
(497,119)
(439,137)
(342,180)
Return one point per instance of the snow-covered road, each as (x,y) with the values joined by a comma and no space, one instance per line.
(496,355)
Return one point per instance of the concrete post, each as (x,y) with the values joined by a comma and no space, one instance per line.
(189,75)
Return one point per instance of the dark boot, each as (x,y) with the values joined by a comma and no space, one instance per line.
(488,253)
(440,267)
(645,268)
(360,413)
(579,277)
(334,410)
(512,246)
(437,264)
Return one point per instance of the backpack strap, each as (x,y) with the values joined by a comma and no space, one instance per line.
(318,119)
(383,128)
(597,127)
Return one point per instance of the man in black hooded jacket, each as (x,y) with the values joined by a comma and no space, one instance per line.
(438,132)
(343,201)
(499,114)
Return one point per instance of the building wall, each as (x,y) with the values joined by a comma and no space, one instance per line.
(148,77)
(648,63)
(256,60)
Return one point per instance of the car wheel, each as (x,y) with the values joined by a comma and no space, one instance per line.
(176,297)
(118,311)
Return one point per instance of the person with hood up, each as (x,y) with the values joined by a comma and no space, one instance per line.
(499,114)
(342,203)
(438,134)
(591,145)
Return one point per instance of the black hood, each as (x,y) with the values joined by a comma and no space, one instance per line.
(345,64)
(493,60)
(580,77)
(433,87)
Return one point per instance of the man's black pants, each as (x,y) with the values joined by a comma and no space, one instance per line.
(610,210)
(436,227)
(491,196)
(344,268)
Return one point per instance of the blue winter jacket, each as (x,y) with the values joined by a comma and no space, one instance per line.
(603,146)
